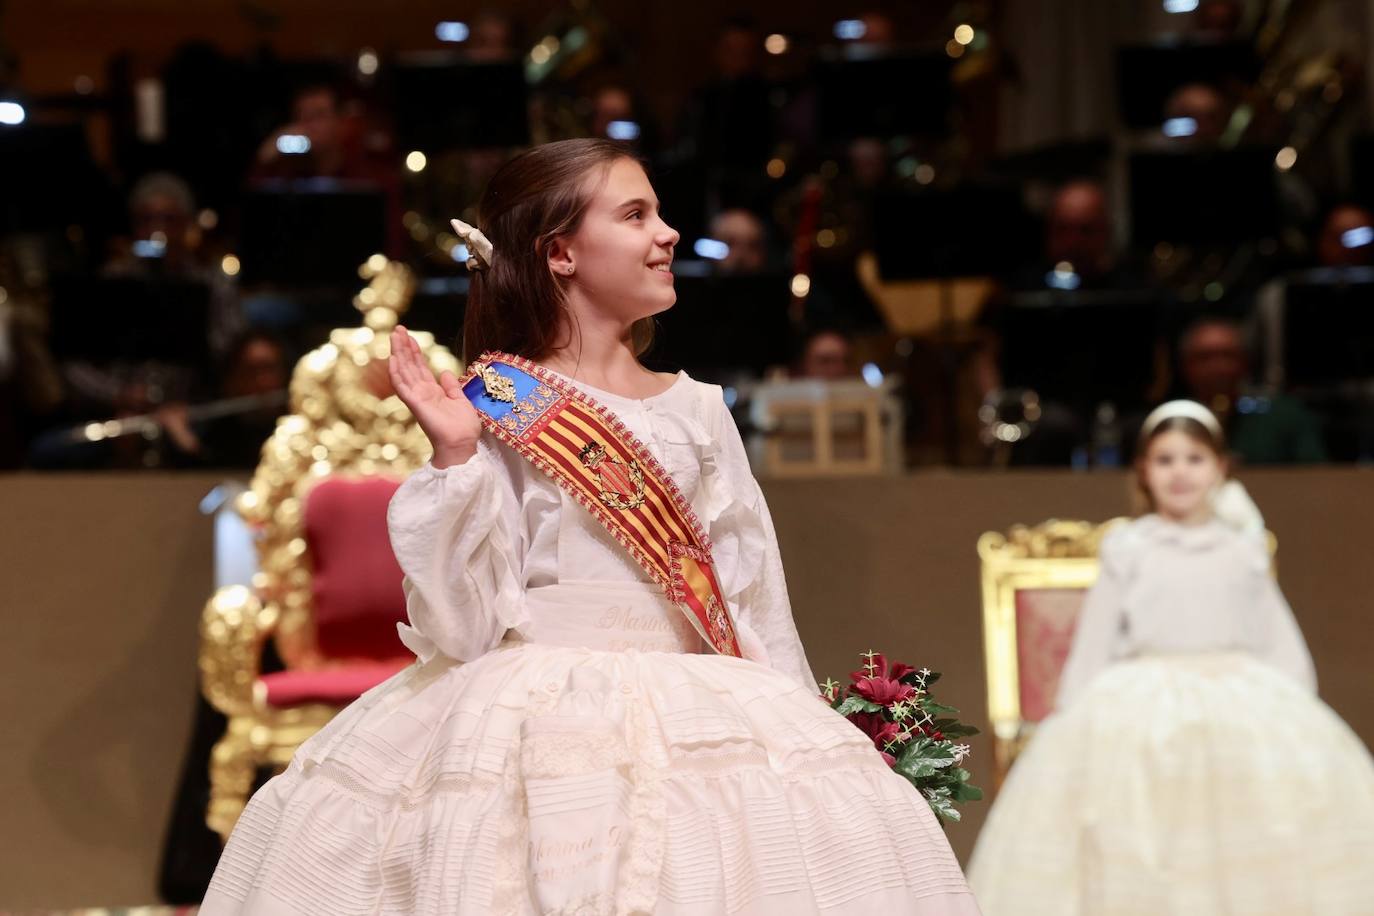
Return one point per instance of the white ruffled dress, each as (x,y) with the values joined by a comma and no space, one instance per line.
(1189,767)
(564,743)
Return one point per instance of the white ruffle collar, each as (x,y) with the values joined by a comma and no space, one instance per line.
(1155,529)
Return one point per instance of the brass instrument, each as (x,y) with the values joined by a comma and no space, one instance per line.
(1007,416)
(148,426)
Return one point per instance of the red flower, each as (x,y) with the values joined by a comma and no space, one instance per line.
(880,668)
(876,727)
(899,671)
(874,666)
(882,690)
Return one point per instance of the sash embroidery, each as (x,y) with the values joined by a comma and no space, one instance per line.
(591,455)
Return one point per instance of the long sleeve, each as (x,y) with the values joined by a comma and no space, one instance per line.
(450,530)
(762,608)
(767,608)
(1279,639)
(1097,637)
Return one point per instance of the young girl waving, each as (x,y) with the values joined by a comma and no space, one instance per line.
(610,711)
(1189,767)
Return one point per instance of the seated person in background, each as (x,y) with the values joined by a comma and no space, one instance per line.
(136,393)
(609,105)
(1078,248)
(1205,106)
(879,31)
(30,387)
(1347,237)
(339,144)
(165,240)
(257,364)
(1078,229)
(729,121)
(617,112)
(1214,369)
(826,354)
(494,37)
(746,237)
(164,244)
(1219,20)
(342,143)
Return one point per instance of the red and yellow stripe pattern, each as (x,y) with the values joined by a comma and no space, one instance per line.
(590,453)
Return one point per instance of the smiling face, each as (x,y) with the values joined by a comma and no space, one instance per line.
(1180,471)
(618,260)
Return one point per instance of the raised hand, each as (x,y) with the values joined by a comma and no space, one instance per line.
(439,406)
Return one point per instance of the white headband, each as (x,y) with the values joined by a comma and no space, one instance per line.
(1190,410)
(478,245)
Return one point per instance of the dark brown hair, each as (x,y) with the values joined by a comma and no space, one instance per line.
(517,304)
(1191,428)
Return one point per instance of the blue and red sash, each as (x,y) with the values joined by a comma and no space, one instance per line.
(588,452)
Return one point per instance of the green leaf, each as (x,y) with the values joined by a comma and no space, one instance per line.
(921,755)
(953,728)
(857,704)
(936,709)
(919,744)
(965,793)
(935,751)
(940,803)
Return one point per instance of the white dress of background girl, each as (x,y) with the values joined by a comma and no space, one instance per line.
(1189,768)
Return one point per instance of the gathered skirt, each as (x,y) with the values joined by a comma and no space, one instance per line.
(562,779)
(1181,785)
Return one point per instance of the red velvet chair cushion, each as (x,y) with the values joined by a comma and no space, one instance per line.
(1045,621)
(356,583)
(335,686)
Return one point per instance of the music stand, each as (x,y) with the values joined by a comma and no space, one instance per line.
(310,232)
(48,181)
(1328,329)
(723,323)
(902,93)
(1056,162)
(131,319)
(1081,347)
(933,253)
(1362,169)
(1210,196)
(969,231)
(445,102)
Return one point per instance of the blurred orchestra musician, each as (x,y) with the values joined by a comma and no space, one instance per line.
(745,238)
(1262,428)
(330,138)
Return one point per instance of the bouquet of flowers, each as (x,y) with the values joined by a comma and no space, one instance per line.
(891,703)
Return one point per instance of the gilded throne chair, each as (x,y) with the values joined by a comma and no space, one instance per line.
(1033,581)
(328,590)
